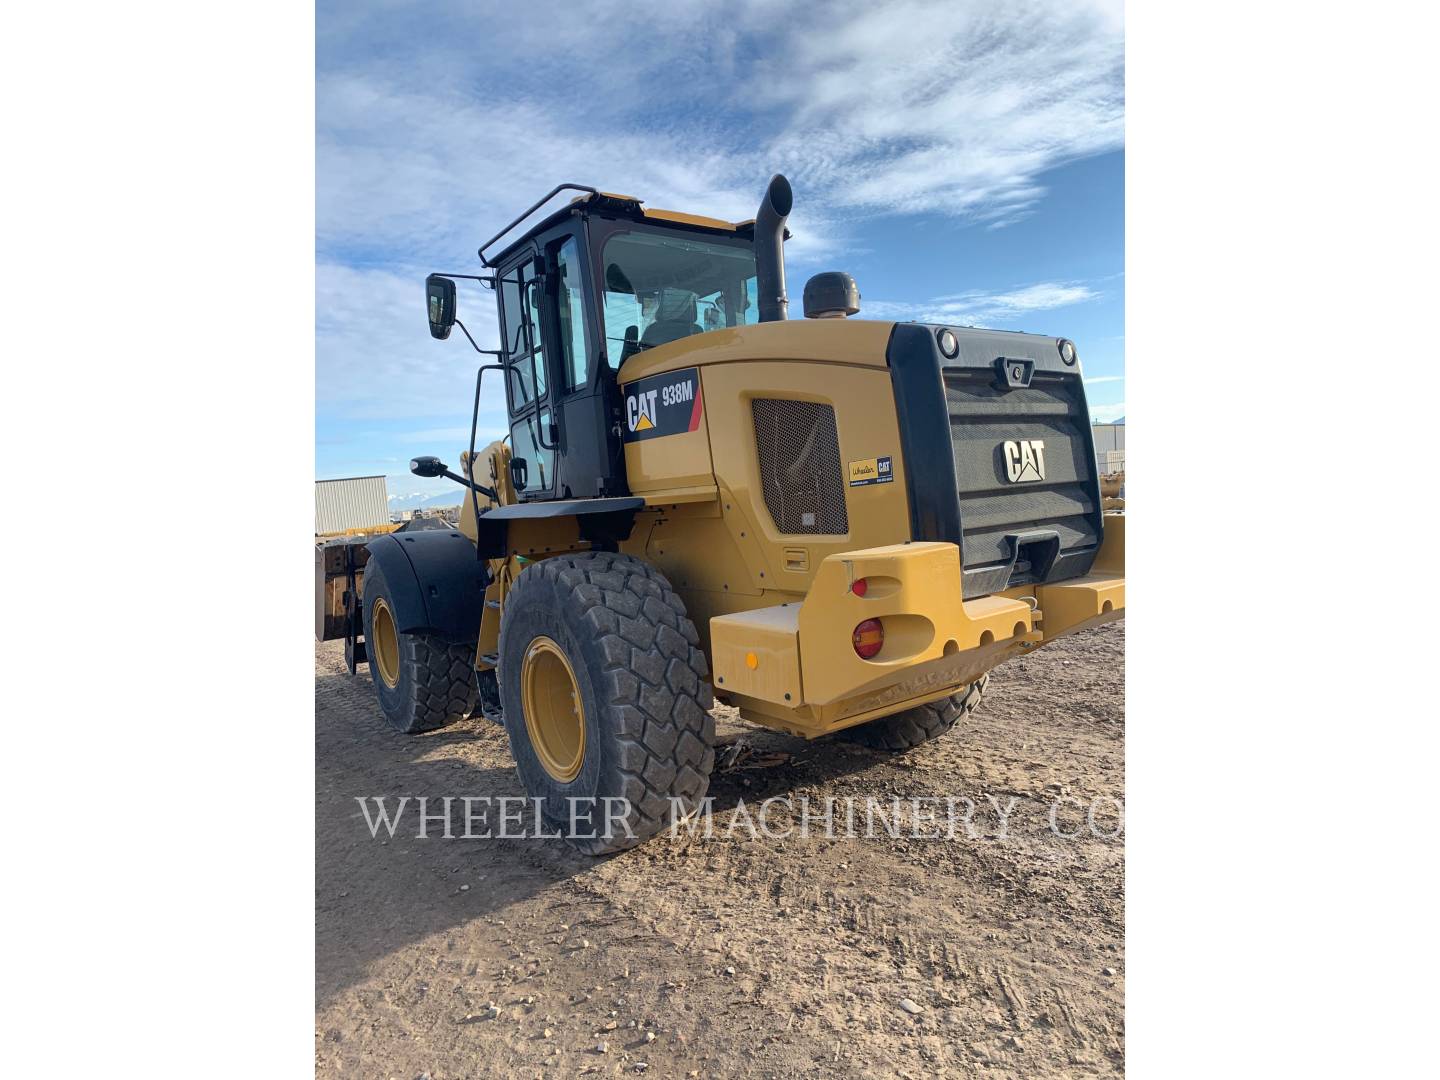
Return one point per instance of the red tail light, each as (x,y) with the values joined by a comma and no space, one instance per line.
(860,586)
(868,637)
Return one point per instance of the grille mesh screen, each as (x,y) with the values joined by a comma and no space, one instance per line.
(800,472)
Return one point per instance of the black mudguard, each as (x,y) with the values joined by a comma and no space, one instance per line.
(601,521)
(437,583)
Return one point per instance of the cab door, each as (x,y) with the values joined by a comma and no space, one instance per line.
(563,397)
(588,399)
(534,441)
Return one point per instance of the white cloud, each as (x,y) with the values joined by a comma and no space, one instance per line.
(1093,379)
(951,107)
(1107,414)
(435,127)
(985,309)
(374,356)
(933,105)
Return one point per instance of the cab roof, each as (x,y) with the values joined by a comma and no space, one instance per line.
(613,205)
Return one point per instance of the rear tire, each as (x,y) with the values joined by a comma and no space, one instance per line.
(598,648)
(913,727)
(422,681)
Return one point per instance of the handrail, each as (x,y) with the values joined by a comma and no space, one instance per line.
(527,213)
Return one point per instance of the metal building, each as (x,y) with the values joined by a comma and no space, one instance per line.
(1109,446)
(355,502)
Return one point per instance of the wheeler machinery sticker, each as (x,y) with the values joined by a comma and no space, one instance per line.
(660,405)
(872,470)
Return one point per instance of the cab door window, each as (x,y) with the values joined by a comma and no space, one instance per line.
(525,442)
(522,302)
(522,297)
(570,304)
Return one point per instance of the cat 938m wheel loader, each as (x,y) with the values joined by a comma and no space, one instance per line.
(837,526)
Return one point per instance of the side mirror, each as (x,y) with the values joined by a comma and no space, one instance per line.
(519,473)
(428,466)
(440,305)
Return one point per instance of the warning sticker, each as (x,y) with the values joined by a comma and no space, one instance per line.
(667,404)
(870,470)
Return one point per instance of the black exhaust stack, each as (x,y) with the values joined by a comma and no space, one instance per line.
(770,252)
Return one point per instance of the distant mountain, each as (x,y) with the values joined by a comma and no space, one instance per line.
(424,500)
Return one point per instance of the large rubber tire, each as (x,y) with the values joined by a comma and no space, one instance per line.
(643,686)
(909,729)
(436,684)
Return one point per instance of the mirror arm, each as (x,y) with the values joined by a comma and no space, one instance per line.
(484,279)
(484,352)
(489,493)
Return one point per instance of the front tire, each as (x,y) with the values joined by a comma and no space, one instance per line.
(606,695)
(422,681)
(914,727)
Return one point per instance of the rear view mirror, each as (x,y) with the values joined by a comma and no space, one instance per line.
(440,305)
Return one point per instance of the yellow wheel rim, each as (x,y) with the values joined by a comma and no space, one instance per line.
(385,643)
(554,715)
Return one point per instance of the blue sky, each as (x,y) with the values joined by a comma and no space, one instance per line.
(965,161)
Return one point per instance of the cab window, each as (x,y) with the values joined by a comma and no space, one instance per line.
(570,303)
(664,284)
(525,443)
(521,297)
(522,304)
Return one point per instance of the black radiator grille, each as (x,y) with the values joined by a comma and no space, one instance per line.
(983,417)
(800,473)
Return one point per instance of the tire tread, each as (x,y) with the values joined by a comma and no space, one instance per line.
(921,724)
(655,685)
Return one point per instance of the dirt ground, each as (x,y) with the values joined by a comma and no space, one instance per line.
(733,955)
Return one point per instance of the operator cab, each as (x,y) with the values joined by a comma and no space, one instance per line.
(581,292)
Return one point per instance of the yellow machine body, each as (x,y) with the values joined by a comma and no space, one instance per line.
(776,612)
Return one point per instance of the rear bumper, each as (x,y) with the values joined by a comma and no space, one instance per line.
(793,666)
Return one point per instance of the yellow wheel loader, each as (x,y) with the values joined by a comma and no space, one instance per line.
(837,526)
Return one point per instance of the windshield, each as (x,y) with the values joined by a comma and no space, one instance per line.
(660,285)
